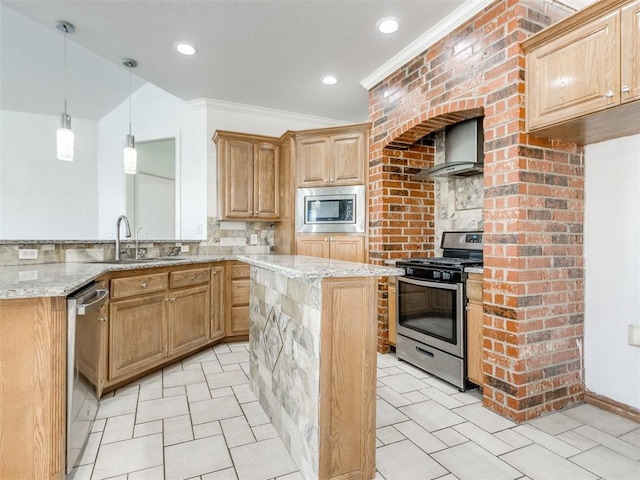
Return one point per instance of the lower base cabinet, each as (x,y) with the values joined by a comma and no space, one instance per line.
(238,312)
(188,320)
(474,328)
(137,335)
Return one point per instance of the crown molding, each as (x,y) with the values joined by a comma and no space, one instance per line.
(443,27)
(221,105)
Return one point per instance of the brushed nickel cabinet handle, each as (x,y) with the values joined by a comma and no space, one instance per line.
(608,94)
(143,284)
(626,89)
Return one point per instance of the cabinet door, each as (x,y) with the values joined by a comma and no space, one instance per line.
(631,52)
(216,330)
(137,335)
(238,179)
(188,319)
(313,246)
(576,74)
(348,248)
(266,181)
(474,342)
(392,314)
(238,318)
(91,344)
(313,162)
(348,159)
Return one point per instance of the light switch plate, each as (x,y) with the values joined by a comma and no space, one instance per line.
(27,253)
(254,239)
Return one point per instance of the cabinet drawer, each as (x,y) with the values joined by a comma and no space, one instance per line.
(240,271)
(141,284)
(240,292)
(187,278)
(474,289)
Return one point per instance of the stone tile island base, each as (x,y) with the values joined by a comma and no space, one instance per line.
(312,367)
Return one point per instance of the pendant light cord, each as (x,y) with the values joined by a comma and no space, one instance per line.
(66,31)
(129,100)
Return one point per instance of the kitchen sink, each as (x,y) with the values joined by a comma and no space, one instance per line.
(143,260)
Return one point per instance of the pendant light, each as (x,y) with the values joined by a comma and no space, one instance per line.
(130,155)
(64,135)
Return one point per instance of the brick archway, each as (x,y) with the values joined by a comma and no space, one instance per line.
(533,204)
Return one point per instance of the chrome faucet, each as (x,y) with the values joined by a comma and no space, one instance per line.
(137,250)
(127,234)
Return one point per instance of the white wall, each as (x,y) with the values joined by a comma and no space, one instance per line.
(248,119)
(155,114)
(612,261)
(43,197)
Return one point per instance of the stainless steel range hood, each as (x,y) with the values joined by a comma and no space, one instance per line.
(464,151)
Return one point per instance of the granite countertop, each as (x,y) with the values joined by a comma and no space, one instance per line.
(61,279)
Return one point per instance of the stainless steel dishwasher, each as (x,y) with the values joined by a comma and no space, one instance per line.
(83,315)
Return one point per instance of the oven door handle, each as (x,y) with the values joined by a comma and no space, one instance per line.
(426,283)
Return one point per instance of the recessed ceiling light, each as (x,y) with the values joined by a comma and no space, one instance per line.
(388,25)
(329,80)
(185,48)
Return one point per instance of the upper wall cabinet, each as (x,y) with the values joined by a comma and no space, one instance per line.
(332,157)
(248,177)
(583,76)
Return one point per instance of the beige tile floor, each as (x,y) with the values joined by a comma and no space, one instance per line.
(198,419)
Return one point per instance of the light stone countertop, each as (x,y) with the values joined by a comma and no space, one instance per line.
(61,279)
(479,270)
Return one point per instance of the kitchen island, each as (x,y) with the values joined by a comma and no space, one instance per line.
(318,309)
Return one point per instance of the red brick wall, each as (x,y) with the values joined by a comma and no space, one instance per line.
(533,280)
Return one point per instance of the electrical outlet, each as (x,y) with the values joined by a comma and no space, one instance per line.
(254,239)
(184,248)
(27,253)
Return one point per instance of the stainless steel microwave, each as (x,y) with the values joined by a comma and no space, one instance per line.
(331,209)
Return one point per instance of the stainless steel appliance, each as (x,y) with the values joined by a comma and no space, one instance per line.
(431,304)
(331,209)
(83,314)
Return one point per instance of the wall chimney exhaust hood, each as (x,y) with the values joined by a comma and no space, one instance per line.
(464,151)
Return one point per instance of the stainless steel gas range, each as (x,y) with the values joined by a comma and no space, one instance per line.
(431,307)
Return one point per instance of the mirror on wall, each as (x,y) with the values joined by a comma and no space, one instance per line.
(151,193)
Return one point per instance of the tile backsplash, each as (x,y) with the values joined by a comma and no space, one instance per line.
(458,200)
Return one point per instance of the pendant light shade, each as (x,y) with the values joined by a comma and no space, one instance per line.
(129,154)
(65,139)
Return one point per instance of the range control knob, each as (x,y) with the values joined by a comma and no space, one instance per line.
(437,274)
(408,271)
(446,275)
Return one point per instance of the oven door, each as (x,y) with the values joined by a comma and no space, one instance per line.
(432,313)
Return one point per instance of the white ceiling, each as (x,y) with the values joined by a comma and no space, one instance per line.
(268,53)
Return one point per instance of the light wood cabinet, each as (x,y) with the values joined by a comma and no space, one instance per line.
(137,335)
(332,158)
(350,248)
(238,314)
(33,376)
(188,319)
(248,176)
(392,313)
(580,68)
(217,303)
(158,316)
(474,328)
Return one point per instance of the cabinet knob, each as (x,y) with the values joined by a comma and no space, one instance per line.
(626,89)
(193,278)
(331,179)
(608,94)
(102,319)
(326,239)
(143,284)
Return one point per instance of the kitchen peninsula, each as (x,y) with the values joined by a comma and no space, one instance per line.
(313,363)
